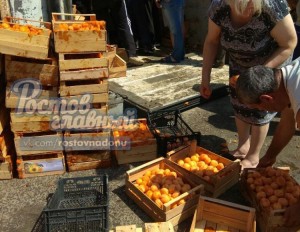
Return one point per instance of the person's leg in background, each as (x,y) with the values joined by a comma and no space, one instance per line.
(124,35)
(174,12)
(141,12)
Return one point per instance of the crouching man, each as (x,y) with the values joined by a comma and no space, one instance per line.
(275,90)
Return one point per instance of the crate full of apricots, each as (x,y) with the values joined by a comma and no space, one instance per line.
(25,38)
(75,33)
(215,172)
(270,190)
(133,141)
(162,191)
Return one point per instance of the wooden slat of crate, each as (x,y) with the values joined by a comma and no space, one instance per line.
(117,68)
(175,215)
(46,71)
(137,153)
(101,98)
(85,74)
(19,43)
(68,88)
(12,100)
(219,182)
(32,166)
(86,160)
(268,220)
(82,61)
(90,137)
(149,227)
(52,140)
(218,214)
(31,123)
(77,41)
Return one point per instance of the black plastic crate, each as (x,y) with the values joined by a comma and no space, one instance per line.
(79,205)
(170,130)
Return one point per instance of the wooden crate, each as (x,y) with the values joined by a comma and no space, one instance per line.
(17,68)
(12,100)
(219,182)
(79,61)
(166,213)
(140,148)
(86,160)
(73,88)
(149,227)
(24,123)
(41,165)
(218,215)
(23,44)
(117,67)
(269,220)
(37,143)
(77,41)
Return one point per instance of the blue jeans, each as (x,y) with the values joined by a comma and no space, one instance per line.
(174,10)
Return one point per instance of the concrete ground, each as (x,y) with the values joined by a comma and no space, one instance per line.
(22,200)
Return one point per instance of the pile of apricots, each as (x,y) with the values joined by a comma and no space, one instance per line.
(274,188)
(84,26)
(162,186)
(134,131)
(31,30)
(201,164)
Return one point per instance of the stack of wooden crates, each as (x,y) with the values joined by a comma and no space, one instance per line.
(81,44)
(27,62)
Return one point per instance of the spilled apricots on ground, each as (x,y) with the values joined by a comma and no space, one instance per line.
(163,185)
(273,188)
(201,164)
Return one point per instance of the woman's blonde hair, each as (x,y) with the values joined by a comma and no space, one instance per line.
(241,5)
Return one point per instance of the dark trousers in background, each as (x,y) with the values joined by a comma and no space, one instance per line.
(141,15)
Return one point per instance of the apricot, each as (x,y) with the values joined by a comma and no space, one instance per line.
(213,163)
(195,158)
(268,190)
(274,186)
(283,202)
(258,181)
(165,198)
(187,159)
(264,202)
(175,194)
(276,205)
(185,188)
(149,194)
(260,195)
(180,162)
(270,171)
(280,181)
(273,199)
(220,166)
(250,180)
(279,192)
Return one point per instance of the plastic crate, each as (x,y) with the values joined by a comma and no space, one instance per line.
(79,205)
(170,130)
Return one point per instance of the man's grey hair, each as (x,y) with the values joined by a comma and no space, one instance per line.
(254,82)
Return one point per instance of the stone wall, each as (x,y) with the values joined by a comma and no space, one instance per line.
(196,21)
